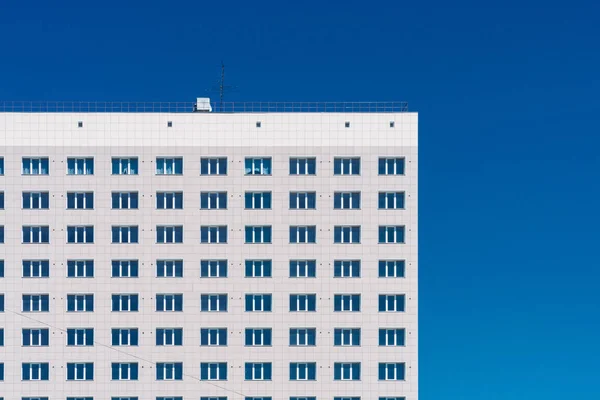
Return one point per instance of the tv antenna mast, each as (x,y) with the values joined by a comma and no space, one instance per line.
(221,87)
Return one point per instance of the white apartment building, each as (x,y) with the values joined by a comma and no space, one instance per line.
(166,252)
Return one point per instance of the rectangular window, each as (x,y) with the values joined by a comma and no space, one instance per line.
(346,398)
(34,234)
(213,166)
(36,200)
(80,234)
(169,165)
(303,268)
(80,302)
(35,371)
(169,371)
(36,303)
(391,371)
(169,336)
(257,371)
(346,234)
(1,268)
(346,166)
(1,302)
(1,200)
(169,268)
(125,336)
(124,166)
(303,398)
(392,398)
(303,371)
(80,371)
(1,233)
(80,200)
(258,268)
(169,302)
(80,398)
(391,234)
(124,200)
(80,336)
(257,200)
(124,371)
(124,234)
(303,336)
(125,268)
(303,234)
(214,398)
(213,269)
(80,166)
(35,337)
(346,269)
(391,165)
(258,234)
(259,302)
(346,371)
(213,337)
(213,200)
(392,268)
(346,337)
(35,166)
(303,200)
(391,302)
(391,337)
(303,166)
(1,337)
(125,302)
(258,336)
(257,166)
(346,302)
(303,302)
(213,302)
(36,268)
(169,234)
(213,234)
(123,398)
(216,371)
(1,165)
(169,200)
(346,200)
(391,200)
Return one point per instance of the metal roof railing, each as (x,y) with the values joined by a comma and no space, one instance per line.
(188,107)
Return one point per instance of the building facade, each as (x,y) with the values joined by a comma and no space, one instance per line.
(174,255)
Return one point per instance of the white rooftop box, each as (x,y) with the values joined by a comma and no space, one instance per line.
(202,105)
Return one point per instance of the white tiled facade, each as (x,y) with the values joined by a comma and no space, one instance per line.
(236,136)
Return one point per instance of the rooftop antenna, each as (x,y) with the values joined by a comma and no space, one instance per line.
(221,87)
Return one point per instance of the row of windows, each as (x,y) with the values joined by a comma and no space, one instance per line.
(209,166)
(209,371)
(84,337)
(257,200)
(216,302)
(173,268)
(214,398)
(211,234)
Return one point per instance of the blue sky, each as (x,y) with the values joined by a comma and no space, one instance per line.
(507,93)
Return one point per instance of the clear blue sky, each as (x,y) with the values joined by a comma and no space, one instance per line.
(508,96)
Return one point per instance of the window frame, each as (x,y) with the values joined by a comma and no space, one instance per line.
(85,160)
(262,159)
(129,168)
(42,197)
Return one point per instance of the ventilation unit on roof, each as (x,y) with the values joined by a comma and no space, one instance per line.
(202,105)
